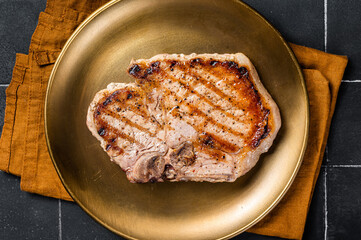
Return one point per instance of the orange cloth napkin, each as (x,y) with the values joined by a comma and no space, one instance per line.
(23,150)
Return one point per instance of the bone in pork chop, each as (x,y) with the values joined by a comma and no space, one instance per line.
(203,117)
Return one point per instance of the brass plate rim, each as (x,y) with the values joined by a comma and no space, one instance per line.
(240,230)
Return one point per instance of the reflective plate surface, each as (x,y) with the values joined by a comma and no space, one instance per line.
(99,52)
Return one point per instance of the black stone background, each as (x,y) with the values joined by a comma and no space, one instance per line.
(330,25)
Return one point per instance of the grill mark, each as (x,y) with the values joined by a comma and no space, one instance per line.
(128,121)
(254,105)
(214,122)
(121,150)
(215,106)
(214,153)
(259,131)
(145,115)
(109,129)
(114,148)
(200,128)
(247,89)
(214,88)
(102,108)
(217,142)
(129,107)
(199,112)
(119,105)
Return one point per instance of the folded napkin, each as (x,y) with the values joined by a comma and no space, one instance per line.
(23,150)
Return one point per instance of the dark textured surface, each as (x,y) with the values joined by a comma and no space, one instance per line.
(76,224)
(344,203)
(299,21)
(2,106)
(335,210)
(344,33)
(314,228)
(17,24)
(24,215)
(344,140)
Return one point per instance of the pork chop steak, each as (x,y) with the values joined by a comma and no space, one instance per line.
(198,117)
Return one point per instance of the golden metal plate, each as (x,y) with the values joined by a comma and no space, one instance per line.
(99,52)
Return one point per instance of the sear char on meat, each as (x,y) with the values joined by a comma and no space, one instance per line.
(198,117)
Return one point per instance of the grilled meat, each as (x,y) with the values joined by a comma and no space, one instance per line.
(186,118)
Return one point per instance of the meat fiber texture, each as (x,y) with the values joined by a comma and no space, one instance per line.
(198,117)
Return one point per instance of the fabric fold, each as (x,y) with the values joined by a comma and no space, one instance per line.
(12,138)
(23,150)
